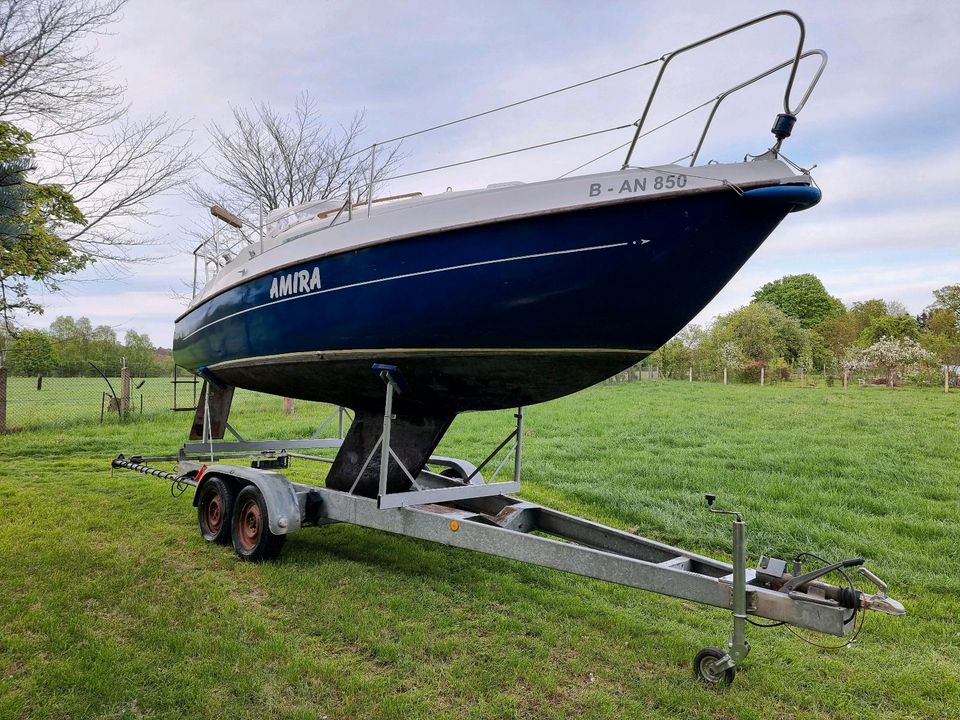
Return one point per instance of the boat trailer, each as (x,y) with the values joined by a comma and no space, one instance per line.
(256,507)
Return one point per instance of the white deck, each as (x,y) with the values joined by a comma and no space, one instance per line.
(315,237)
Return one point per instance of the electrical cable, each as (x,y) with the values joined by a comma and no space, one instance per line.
(177,488)
(765,625)
(850,641)
(858,626)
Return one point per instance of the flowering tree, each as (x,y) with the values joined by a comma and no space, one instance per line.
(890,353)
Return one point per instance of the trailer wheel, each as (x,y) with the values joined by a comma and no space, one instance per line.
(703,667)
(214,510)
(252,538)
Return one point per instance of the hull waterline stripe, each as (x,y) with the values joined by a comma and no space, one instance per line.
(375,352)
(408,275)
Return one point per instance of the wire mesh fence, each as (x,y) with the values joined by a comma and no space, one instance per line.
(933,376)
(54,400)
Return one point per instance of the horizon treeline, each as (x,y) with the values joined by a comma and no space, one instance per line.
(72,347)
(795,322)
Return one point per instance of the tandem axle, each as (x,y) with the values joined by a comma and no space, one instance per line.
(256,507)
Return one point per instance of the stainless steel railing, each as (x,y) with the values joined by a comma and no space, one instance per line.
(726,93)
(795,62)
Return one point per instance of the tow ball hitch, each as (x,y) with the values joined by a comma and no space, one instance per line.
(717,666)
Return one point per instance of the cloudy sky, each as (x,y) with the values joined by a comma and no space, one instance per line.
(880,127)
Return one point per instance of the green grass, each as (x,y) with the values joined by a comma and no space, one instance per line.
(112,606)
(69,401)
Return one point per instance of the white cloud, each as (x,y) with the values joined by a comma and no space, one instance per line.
(907,230)
(849,181)
(886,225)
(149,312)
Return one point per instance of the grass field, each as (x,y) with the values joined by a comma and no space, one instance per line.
(113,607)
(68,401)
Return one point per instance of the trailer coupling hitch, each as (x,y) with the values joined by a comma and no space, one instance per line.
(719,666)
(806,585)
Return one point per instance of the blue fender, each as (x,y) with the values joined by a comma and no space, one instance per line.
(800,197)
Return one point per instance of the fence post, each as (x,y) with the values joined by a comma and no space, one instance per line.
(690,374)
(124,390)
(3,399)
(762,369)
(846,377)
(724,374)
(288,406)
(946,378)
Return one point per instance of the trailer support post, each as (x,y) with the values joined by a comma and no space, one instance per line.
(739,647)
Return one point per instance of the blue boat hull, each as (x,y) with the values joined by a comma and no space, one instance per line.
(490,316)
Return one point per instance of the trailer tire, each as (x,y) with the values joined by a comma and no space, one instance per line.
(703,667)
(250,528)
(215,510)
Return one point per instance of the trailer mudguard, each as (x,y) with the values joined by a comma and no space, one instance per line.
(283,509)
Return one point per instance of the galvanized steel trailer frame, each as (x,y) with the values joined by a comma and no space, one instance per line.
(457,508)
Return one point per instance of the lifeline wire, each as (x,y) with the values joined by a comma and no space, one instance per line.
(648,132)
(557,142)
(508,105)
(511,152)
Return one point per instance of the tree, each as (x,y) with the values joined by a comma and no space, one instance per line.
(867,310)
(840,334)
(948,298)
(32,353)
(267,159)
(763,333)
(942,335)
(891,353)
(895,307)
(104,350)
(31,246)
(73,339)
(943,321)
(139,353)
(14,165)
(672,358)
(891,326)
(802,297)
(55,88)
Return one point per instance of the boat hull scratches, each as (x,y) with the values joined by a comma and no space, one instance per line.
(466,313)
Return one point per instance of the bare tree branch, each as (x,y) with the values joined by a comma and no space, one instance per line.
(270,160)
(54,84)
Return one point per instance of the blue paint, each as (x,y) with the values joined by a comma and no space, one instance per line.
(626,294)
(799,197)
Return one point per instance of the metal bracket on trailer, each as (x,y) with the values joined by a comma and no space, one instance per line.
(392,378)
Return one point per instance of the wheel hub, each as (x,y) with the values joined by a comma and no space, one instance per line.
(708,669)
(213,514)
(250,526)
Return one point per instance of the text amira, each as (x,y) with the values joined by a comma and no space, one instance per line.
(294,283)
